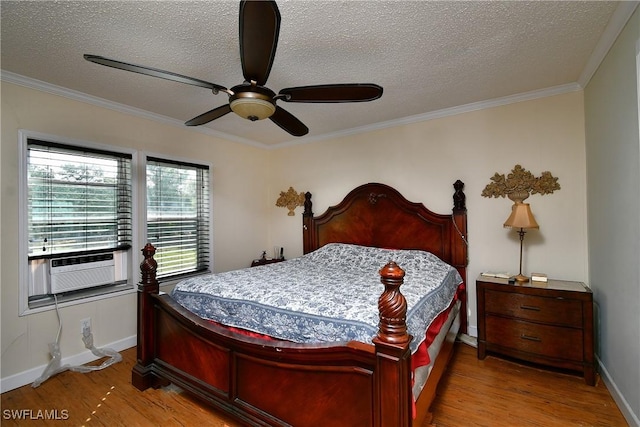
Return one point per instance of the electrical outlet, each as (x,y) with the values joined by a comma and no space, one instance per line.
(85,324)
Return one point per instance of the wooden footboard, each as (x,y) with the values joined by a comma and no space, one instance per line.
(278,383)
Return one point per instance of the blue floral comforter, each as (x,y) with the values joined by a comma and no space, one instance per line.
(329,295)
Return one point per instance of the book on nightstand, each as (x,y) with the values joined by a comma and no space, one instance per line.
(539,277)
(499,275)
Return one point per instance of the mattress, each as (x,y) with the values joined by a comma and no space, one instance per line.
(329,295)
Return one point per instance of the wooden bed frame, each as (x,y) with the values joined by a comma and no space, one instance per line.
(278,383)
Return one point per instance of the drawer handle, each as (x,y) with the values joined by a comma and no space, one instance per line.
(530,307)
(530,338)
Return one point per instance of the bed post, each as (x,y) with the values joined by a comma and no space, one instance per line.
(393,357)
(460,254)
(307,222)
(141,376)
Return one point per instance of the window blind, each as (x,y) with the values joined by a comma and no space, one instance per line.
(79,199)
(178,216)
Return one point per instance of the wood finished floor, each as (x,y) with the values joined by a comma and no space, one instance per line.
(491,392)
(500,393)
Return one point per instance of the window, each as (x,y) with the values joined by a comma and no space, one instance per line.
(178,219)
(81,219)
(79,200)
(76,221)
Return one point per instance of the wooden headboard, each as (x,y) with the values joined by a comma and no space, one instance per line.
(378,215)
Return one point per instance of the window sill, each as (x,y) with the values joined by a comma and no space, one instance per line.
(47,302)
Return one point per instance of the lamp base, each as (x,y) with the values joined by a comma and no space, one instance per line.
(521,279)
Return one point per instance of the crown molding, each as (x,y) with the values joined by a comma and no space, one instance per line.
(101,102)
(616,24)
(446,112)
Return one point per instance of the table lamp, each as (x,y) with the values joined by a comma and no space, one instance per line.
(521,217)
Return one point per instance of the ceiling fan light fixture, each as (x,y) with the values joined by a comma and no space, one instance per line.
(252,105)
(259,31)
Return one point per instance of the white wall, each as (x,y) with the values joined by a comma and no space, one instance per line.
(613,171)
(423,160)
(239,215)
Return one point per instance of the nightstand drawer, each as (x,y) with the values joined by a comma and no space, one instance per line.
(544,340)
(558,311)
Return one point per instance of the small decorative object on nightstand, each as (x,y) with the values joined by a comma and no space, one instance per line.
(547,323)
(264,260)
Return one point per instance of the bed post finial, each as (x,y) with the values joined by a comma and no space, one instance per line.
(148,266)
(392,306)
(307,204)
(459,198)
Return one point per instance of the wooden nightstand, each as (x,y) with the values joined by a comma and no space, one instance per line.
(547,323)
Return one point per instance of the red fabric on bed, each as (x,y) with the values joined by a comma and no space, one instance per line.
(421,356)
(244,332)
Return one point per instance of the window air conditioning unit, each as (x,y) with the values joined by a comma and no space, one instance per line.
(81,272)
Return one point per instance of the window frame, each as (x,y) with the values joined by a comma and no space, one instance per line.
(144,157)
(138,221)
(133,257)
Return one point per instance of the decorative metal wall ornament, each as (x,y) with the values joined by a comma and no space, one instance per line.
(290,200)
(519,184)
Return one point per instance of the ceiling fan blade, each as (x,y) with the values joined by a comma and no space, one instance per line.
(154,72)
(259,29)
(289,122)
(209,116)
(348,92)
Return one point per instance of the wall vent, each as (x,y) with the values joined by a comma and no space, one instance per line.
(81,272)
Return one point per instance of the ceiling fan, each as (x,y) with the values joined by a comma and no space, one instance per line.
(259,30)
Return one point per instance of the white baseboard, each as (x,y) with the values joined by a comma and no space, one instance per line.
(469,340)
(472,331)
(27,377)
(622,403)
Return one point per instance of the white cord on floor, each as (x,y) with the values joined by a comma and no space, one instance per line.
(54,367)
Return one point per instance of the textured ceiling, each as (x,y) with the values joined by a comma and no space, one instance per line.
(428,56)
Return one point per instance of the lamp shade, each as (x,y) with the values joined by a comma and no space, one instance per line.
(521,217)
